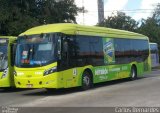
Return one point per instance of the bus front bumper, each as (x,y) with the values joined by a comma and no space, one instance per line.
(49,81)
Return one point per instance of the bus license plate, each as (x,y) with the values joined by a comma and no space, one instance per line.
(29,85)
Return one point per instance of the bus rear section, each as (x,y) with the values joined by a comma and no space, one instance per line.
(6,61)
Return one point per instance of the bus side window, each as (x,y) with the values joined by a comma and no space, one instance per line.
(13,53)
(68,52)
(65,46)
(64,52)
(72,49)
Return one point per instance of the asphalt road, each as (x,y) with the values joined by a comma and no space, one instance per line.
(143,92)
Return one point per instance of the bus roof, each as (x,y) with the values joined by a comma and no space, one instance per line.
(68,28)
(10,37)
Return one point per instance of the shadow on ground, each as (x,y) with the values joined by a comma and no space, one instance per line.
(11,90)
(54,92)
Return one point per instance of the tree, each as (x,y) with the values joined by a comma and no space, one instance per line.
(16,16)
(151,26)
(54,11)
(156,14)
(120,21)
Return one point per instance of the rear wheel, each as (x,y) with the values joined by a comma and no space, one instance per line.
(133,75)
(87,82)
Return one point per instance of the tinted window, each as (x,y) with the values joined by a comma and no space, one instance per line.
(154,48)
(123,50)
(128,50)
(96,48)
(83,50)
(140,50)
(89,50)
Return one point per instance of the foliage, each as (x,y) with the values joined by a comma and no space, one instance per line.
(151,26)
(17,16)
(120,21)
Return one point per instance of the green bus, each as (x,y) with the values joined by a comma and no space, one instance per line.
(154,54)
(71,55)
(7,61)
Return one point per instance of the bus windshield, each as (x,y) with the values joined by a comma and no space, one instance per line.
(154,54)
(154,48)
(3,57)
(36,50)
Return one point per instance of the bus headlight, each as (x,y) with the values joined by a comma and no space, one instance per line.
(49,71)
(5,73)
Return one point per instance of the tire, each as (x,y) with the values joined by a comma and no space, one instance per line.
(133,75)
(87,82)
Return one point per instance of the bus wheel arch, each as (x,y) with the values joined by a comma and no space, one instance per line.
(87,79)
(133,72)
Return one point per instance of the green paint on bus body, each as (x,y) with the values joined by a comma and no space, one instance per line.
(34,77)
(6,69)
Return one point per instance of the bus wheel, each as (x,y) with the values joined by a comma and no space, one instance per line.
(133,75)
(87,82)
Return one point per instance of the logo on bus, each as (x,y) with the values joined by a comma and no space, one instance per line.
(101,71)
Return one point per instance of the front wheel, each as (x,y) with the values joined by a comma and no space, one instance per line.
(133,75)
(87,82)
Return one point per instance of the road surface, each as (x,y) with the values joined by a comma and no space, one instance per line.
(144,92)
